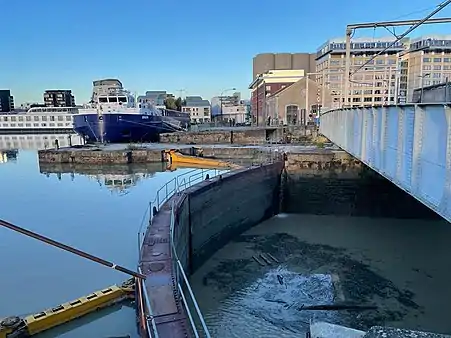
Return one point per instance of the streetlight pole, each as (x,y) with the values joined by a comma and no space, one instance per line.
(422,85)
(220,98)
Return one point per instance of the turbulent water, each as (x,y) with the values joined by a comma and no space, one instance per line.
(399,266)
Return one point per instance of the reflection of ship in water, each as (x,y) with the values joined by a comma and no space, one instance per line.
(37,141)
(8,155)
(118,178)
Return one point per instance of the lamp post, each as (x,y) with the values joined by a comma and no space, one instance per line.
(220,97)
(422,84)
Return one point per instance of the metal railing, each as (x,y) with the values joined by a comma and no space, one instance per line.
(175,185)
(150,325)
(181,281)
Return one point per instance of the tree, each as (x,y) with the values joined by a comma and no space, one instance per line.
(171,103)
(179,103)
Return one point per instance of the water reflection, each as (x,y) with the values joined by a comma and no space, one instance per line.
(117,178)
(8,156)
(73,205)
(37,141)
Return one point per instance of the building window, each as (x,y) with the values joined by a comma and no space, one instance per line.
(427,67)
(292,114)
(268,88)
(426,59)
(437,59)
(437,67)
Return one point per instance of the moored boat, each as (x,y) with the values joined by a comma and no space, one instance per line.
(115,116)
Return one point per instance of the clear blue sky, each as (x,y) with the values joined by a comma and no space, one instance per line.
(202,46)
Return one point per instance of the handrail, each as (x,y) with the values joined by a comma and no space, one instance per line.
(151,328)
(175,185)
(167,190)
(180,270)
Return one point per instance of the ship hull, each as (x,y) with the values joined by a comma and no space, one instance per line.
(120,128)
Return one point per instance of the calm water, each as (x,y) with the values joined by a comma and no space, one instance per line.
(80,211)
(400,266)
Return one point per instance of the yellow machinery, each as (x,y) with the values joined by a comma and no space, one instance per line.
(16,327)
(176,159)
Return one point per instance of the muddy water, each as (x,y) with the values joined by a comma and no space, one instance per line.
(400,266)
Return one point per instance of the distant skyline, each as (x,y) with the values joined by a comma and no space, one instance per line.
(159,45)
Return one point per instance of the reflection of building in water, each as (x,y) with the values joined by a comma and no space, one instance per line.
(8,156)
(41,141)
(120,183)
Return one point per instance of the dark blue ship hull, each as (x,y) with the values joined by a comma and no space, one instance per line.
(119,128)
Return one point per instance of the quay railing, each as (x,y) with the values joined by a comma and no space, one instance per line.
(171,187)
(182,283)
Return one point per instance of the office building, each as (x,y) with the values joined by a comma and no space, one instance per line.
(426,62)
(374,84)
(59,98)
(198,108)
(6,101)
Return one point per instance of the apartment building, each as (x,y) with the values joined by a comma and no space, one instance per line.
(59,98)
(198,109)
(6,101)
(374,84)
(426,62)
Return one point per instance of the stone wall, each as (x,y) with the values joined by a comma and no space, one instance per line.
(236,136)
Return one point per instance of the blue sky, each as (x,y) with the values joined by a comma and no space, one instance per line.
(201,46)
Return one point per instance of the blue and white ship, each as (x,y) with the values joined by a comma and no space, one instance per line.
(114,116)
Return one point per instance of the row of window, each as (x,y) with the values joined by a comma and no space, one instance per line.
(436,67)
(54,110)
(31,137)
(359,45)
(362,61)
(35,118)
(35,125)
(437,59)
